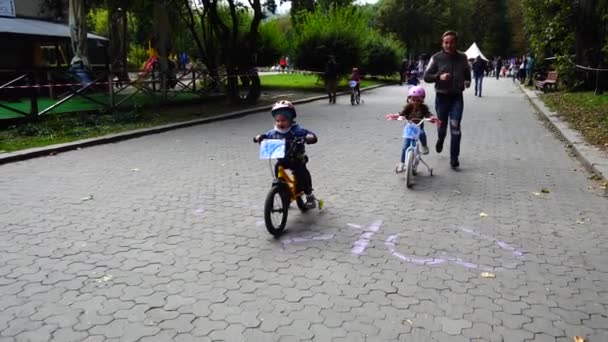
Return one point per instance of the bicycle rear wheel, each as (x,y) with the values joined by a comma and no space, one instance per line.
(276,208)
(409,168)
(352,98)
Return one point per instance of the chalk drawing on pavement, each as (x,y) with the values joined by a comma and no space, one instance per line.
(361,245)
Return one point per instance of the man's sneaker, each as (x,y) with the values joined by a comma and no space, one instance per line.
(425,150)
(400,167)
(454,163)
(439,146)
(310,201)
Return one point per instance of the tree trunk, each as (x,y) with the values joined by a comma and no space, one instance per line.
(78,33)
(588,39)
(118,54)
(162,41)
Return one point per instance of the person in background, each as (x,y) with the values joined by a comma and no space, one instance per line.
(479,68)
(331,78)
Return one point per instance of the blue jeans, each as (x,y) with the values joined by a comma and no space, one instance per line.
(449,109)
(412,142)
(478,84)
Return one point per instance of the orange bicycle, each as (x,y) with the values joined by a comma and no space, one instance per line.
(282,193)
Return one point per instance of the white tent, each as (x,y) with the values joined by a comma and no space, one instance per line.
(473,51)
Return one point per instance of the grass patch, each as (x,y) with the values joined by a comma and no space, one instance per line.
(79,103)
(584,111)
(311,82)
(67,127)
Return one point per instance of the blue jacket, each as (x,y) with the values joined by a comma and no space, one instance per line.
(295,131)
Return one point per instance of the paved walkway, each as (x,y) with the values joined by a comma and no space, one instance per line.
(161,238)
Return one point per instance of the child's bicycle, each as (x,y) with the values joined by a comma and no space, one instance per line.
(283,190)
(355,97)
(413,157)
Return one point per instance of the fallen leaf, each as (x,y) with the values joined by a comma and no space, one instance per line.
(544,191)
(457,192)
(88,198)
(579,339)
(105,278)
(537,193)
(135,169)
(483,215)
(491,173)
(409,321)
(488,275)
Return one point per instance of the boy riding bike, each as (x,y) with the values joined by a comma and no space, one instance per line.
(286,128)
(415,110)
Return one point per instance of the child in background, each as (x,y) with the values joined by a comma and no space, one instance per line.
(413,80)
(355,76)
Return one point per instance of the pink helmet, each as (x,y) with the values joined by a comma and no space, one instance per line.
(417,91)
(284,107)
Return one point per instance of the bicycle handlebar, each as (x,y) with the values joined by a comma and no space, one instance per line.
(398,117)
(297,140)
(420,121)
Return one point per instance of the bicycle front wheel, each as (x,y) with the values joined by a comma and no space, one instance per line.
(409,168)
(276,208)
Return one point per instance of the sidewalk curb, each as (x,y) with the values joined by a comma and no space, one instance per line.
(594,159)
(111,138)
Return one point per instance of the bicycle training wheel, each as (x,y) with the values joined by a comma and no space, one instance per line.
(275,210)
(409,171)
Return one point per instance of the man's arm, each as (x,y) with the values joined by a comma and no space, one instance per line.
(431,73)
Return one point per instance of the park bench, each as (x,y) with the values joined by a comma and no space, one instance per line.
(549,83)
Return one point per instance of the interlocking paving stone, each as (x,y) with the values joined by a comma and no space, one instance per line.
(177,250)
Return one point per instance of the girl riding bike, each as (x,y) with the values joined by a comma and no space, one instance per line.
(415,110)
(286,128)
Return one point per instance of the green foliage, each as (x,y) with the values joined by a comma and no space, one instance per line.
(383,55)
(549,29)
(97,21)
(137,56)
(271,43)
(340,32)
(574,31)
(420,23)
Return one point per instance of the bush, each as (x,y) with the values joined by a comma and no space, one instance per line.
(338,31)
(383,56)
